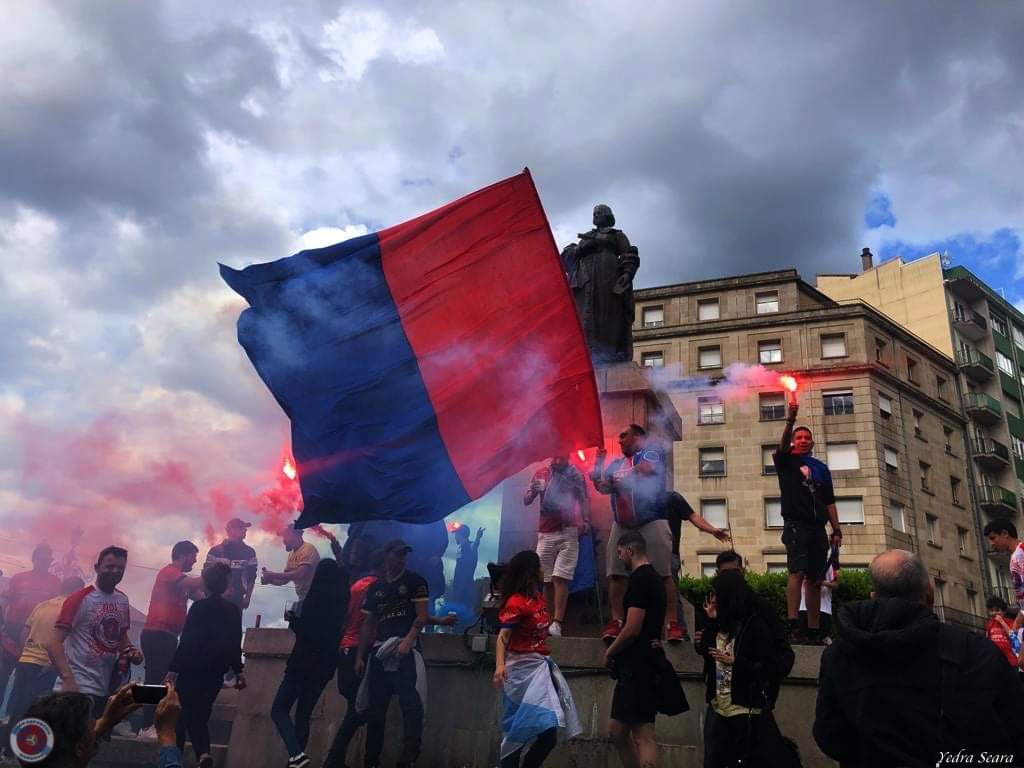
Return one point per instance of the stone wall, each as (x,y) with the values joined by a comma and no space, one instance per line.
(463,709)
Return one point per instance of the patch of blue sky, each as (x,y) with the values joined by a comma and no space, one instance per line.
(879,212)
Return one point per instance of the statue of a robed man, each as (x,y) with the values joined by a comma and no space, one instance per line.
(601,269)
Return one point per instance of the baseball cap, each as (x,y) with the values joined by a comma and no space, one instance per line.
(237,522)
(394,545)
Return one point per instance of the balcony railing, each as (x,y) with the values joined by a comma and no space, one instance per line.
(962,618)
(984,409)
(970,324)
(976,365)
(995,498)
(990,453)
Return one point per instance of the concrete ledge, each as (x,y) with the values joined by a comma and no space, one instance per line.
(462,726)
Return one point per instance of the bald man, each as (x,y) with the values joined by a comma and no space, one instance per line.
(894,668)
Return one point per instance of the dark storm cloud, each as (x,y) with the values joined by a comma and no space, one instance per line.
(162,138)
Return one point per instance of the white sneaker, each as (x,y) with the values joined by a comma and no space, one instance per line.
(123,731)
(148,734)
(555,629)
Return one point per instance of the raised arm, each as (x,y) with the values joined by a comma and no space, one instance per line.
(786,441)
(602,483)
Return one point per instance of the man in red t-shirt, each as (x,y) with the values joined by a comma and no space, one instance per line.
(998,629)
(26,591)
(564,517)
(168,607)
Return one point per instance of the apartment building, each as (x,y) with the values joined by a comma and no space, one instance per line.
(882,404)
(956,312)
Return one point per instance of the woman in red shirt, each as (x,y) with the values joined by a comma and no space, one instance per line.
(530,680)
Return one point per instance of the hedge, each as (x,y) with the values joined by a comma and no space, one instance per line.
(853,585)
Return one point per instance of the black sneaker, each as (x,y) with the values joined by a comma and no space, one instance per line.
(301,760)
(205,762)
(797,636)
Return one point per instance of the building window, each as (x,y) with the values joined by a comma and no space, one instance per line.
(926,476)
(947,437)
(654,317)
(708,570)
(776,568)
(918,431)
(940,388)
(842,456)
(767,302)
(892,459)
(954,489)
(773,406)
(710,410)
(998,323)
(652,359)
(767,462)
(912,371)
(940,599)
(932,523)
(715,512)
(1018,447)
(833,345)
(712,462)
(850,510)
(707,309)
(1018,336)
(709,357)
(1005,364)
(896,517)
(972,601)
(881,351)
(884,406)
(838,402)
(963,541)
(773,513)
(769,352)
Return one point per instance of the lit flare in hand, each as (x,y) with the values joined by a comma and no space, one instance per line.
(788,383)
(288,468)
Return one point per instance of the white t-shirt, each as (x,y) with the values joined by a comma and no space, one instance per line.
(826,593)
(95,623)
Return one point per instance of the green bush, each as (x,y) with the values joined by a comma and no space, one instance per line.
(853,585)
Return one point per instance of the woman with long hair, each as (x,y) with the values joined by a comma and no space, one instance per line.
(745,661)
(525,672)
(318,624)
(210,645)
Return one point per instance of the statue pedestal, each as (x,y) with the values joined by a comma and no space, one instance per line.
(627,397)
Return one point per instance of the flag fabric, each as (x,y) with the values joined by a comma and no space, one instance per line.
(423,364)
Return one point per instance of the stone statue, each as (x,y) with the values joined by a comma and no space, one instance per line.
(601,269)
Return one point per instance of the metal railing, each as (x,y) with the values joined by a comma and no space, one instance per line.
(979,400)
(992,495)
(961,618)
(986,446)
(974,358)
(969,317)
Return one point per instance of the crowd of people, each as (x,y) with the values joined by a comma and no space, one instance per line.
(897,687)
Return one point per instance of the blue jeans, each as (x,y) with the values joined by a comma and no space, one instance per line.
(302,689)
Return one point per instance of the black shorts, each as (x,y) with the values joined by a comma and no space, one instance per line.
(634,700)
(806,548)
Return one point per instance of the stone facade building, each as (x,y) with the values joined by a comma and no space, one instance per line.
(882,404)
(959,314)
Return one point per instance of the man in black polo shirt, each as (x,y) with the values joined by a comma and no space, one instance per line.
(634,703)
(808,501)
(396,611)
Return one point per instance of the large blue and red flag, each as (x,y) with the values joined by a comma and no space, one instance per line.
(423,364)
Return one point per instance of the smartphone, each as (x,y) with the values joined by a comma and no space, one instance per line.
(148,694)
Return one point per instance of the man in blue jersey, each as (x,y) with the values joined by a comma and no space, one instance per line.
(636,484)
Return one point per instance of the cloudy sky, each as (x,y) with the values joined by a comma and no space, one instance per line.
(143,142)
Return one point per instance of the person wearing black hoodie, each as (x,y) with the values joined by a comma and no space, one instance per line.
(746,657)
(899,688)
(318,626)
(210,645)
